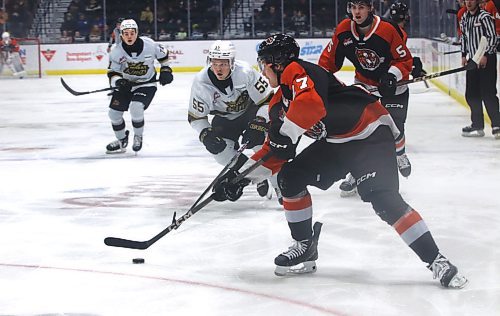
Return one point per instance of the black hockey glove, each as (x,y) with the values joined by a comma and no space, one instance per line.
(166,76)
(225,190)
(123,85)
(212,142)
(387,85)
(281,146)
(417,70)
(255,134)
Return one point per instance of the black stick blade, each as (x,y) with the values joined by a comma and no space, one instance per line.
(73,92)
(125,243)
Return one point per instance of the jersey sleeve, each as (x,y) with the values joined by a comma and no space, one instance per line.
(306,107)
(258,87)
(402,60)
(114,68)
(161,53)
(198,110)
(332,57)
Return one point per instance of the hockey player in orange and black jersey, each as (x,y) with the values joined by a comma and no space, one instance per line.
(377,50)
(353,132)
(399,14)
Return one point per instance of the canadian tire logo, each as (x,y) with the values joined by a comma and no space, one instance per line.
(48,54)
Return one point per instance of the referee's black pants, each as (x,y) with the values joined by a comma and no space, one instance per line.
(481,87)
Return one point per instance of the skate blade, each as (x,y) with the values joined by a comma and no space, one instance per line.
(350,193)
(458,282)
(301,268)
(119,151)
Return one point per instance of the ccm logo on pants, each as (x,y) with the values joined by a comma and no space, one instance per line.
(366,177)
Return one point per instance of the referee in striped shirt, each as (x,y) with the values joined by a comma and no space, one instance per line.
(480,83)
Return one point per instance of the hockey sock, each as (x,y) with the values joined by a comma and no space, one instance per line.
(298,213)
(413,230)
(400,145)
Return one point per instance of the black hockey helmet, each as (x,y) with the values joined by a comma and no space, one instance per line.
(399,12)
(278,49)
(119,20)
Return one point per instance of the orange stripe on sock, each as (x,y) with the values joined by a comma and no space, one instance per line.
(401,143)
(407,221)
(297,204)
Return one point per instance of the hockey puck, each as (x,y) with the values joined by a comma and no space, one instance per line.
(138,260)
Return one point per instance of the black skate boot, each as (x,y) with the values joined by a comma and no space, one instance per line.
(496,132)
(303,253)
(263,189)
(404,165)
(137,145)
(470,131)
(118,146)
(348,186)
(447,273)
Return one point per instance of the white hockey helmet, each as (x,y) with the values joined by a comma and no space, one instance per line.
(222,50)
(129,24)
(5,36)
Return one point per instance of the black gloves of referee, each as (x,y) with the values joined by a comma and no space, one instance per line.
(387,84)
(212,141)
(166,76)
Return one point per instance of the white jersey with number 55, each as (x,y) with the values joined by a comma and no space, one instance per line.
(248,87)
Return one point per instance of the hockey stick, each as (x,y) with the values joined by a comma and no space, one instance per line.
(472,64)
(226,167)
(142,245)
(77,93)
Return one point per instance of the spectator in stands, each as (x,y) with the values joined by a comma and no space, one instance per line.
(79,38)
(69,24)
(83,25)
(146,18)
(3,18)
(66,38)
(95,35)
(93,8)
(299,21)
(272,20)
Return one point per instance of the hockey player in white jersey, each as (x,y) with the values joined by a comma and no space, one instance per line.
(133,72)
(236,96)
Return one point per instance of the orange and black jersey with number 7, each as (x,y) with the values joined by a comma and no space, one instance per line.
(312,101)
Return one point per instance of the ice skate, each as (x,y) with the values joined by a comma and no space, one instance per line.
(496,132)
(137,145)
(447,273)
(263,188)
(470,131)
(348,187)
(404,165)
(300,257)
(118,146)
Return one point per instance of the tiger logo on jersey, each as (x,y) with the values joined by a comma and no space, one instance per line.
(239,104)
(368,59)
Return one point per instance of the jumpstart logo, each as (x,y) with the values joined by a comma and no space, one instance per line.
(48,54)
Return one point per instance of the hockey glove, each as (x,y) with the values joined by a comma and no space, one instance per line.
(224,189)
(255,134)
(417,70)
(212,142)
(166,76)
(281,146)
(387,84)
(123,85)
